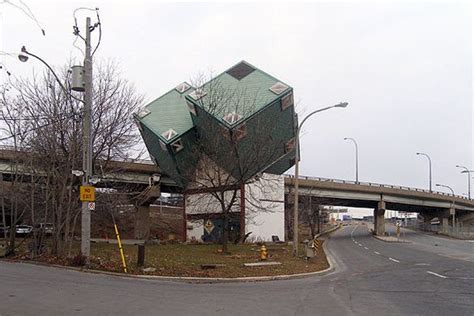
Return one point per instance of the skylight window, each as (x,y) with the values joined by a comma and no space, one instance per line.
(183,87)
(286,101)
(169,134)
(177,146)
(278,88)
(232,118)
(239,132)
(290,145)
(144,112)
(240,71)
(197,94)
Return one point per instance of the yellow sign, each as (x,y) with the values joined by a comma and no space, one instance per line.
(87,193)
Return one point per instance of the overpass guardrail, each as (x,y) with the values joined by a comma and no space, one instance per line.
(379,185)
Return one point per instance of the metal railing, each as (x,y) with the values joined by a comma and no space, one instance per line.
(378,185)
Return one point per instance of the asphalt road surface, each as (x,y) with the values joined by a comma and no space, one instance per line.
(428,276)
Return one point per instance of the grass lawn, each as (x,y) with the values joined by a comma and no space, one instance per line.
(186,260)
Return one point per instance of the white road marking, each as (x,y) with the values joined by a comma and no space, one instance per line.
(366,248)
(360,245)
(436,274)
(394,260)
(422,264)
(377,253)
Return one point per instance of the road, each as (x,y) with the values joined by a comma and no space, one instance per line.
(371,277)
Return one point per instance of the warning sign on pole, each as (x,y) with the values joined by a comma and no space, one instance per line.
(87,193)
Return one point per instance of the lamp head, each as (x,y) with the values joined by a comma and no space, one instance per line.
(23,58)
(341,105)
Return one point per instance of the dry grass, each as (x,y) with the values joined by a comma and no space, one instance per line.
(186,260)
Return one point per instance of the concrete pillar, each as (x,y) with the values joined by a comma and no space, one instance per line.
(379,219)
(444,225)
(142,222)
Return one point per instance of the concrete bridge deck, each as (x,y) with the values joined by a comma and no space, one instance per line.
(381,197)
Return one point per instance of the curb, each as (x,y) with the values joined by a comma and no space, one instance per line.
(195,280)
(401,241)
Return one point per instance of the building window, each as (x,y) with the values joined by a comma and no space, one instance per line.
(278,88)
(183,87)
(177,146)
(290,145)
(232,118)
(239,132)
(286,101)
(169,134)
(197,94)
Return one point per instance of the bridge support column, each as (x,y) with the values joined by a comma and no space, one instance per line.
(379,219)
(142,222)
(444,225)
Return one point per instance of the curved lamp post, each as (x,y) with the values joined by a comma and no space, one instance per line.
(297,139)
(429,161)
(466,170)
(357,157)
(452,202)
(23,57)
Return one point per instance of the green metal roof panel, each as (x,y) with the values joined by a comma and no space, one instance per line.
(169,111)
(226,94)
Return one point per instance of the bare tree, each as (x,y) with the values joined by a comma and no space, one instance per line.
(225,158)
(51,124)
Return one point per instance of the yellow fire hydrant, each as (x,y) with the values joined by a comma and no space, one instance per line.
(263,253)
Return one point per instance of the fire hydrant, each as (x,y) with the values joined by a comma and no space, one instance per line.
(263,253)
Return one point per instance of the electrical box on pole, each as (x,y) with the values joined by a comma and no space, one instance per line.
(78,83)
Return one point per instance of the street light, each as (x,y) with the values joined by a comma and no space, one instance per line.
(466,170)
(452,203)
(297,139)
(23,57)
(429,160)
(357,157)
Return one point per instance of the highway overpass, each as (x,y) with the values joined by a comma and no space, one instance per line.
(381,197)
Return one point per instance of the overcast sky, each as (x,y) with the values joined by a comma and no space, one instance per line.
(405,69)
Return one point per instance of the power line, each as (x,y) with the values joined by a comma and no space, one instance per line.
(38,127)
(27,11)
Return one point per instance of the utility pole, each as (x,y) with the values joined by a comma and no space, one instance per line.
(87,144)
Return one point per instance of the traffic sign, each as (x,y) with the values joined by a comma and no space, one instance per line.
(91,206)
(87,193)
